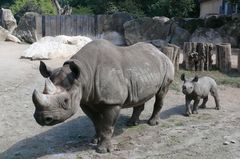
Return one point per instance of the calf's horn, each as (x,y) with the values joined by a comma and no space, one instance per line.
(50,88)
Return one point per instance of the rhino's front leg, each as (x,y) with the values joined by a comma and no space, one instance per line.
(106,124)
(195,106)
(188,107)
(95,117)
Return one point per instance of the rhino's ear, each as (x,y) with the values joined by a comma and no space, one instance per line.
(75,69)
(45,70)
(183,78)
(195,79)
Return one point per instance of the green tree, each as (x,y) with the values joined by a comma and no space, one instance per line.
(234,1)
(174,8)
(19,7)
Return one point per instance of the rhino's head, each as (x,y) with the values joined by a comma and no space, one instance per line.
(61,95)
(189,84)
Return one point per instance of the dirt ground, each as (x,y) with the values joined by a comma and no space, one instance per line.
(200,136)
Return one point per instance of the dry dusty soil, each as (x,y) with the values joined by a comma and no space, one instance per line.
(199,136)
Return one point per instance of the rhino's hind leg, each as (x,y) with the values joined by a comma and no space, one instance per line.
(134,120)
(107,122)
(154,119)
(203,105)
(214,93)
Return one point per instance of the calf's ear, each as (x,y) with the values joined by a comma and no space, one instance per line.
(183,77)
(45,70)
(195,79)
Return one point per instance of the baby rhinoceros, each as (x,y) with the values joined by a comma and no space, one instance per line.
(196,89)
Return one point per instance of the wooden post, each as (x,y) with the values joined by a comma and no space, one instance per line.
(223,57)
(197,56)
(176,56)
(173,52)
(189,52)
(238,62)
(168,51)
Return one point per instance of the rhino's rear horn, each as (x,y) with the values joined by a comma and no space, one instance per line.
(49,88)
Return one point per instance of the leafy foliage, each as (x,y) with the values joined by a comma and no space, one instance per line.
(169,8)
(19,7)
(174,8)
(82,10)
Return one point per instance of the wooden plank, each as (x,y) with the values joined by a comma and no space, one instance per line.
(74,25)
(53,25)
(68,25)
(43,26)
(47,26)
(58,25)
(63,28)
(79,25)
(238,62)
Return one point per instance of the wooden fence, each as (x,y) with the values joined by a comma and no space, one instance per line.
(71,25)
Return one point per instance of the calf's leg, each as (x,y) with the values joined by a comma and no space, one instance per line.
(188,106)
(203,105)
(195,106)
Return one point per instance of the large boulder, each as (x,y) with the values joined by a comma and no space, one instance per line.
(54,47)
(113,22)
(115,37)
(27,27)
(161,19)
(145,29)
(189,24)
(12,38)
(7,20)
(231,32)
(3,34)
(206,35)
(178,36)
(216,21)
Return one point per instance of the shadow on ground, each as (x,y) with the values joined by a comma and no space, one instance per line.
(177,110)
(72,136)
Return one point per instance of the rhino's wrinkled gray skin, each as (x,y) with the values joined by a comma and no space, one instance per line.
(196,89)
(103,78)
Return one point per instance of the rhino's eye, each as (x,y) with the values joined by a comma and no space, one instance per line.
(66,101)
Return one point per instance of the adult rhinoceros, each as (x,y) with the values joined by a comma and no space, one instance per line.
(102,79)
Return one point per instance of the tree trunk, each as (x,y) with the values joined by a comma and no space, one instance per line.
(223,57)
(197,56)
(66,10)
(172,52)
(238,62)
(176,56)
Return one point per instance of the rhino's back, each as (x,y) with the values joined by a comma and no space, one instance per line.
(206,84)
(124,75)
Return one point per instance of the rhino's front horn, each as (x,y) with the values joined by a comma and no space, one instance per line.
(40,99)
(50,88)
